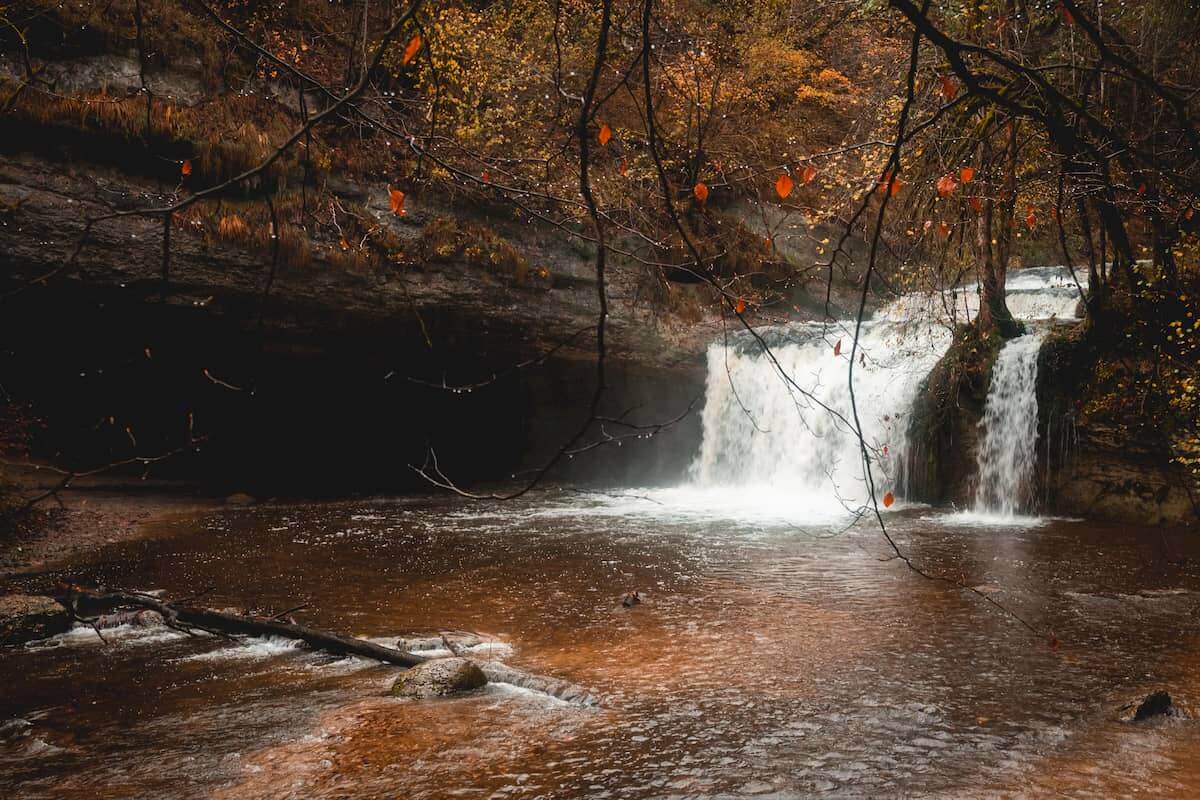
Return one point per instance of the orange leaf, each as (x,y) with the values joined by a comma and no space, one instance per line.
(966,174)
(185,168)
(345,245)
(949,88)
(888,499)
(1188,214)
(889,183)
(808,174)
(943,230)
(946,185)
(837,348)
(623,168)
(1030,218)
(701,191)
(976,204)
(1067,16)
(783,186)
(605,134)
(396,200)
(485,176)
(740,306)
(414,47)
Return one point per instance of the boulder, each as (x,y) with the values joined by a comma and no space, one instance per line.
(1155,704)
(439,677)
(26,617)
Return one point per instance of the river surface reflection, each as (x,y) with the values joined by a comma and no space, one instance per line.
(767,659)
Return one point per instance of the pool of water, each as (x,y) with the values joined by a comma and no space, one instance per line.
(769,658)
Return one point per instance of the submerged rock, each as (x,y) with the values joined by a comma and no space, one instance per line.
(439,678)
(26,617)
(1156,704)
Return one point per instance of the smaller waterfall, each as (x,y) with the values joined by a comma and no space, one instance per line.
(1008,450)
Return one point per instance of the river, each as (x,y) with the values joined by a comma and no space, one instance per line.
(766,660)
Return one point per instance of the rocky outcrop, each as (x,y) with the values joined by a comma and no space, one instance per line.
(439,677)
(24,618)
(351,363)
(940,466)
(1095,467)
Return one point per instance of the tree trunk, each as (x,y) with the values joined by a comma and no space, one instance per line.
(186,617)
(994,239)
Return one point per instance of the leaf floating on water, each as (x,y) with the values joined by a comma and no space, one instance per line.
(808,174)
(740,306)
(888,499)
(605,134)
(414,47)
(1030,218)
(976,204)
(966,174)
(185,168)
(943,230)
(949,88)
(623,168)
(701,191)
(837,348)
(783,186)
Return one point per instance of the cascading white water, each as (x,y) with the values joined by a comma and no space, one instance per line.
(1008,447)
(795,441)
(767,441)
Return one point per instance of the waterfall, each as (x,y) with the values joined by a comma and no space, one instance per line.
(1008,448)
(787,442)
(762,432)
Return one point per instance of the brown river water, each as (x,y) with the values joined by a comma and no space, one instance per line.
(765,661)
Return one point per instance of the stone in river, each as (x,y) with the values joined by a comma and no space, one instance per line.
(26,617)
(439,677)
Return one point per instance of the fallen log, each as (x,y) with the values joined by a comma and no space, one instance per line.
(190,618)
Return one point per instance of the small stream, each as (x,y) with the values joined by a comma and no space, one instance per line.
(768,660)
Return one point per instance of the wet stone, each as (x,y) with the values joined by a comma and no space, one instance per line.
(1155,704)
(24,618)
(439,678)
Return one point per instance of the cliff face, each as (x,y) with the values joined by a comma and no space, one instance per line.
(1093,465)
(335,378)
(1086,466)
